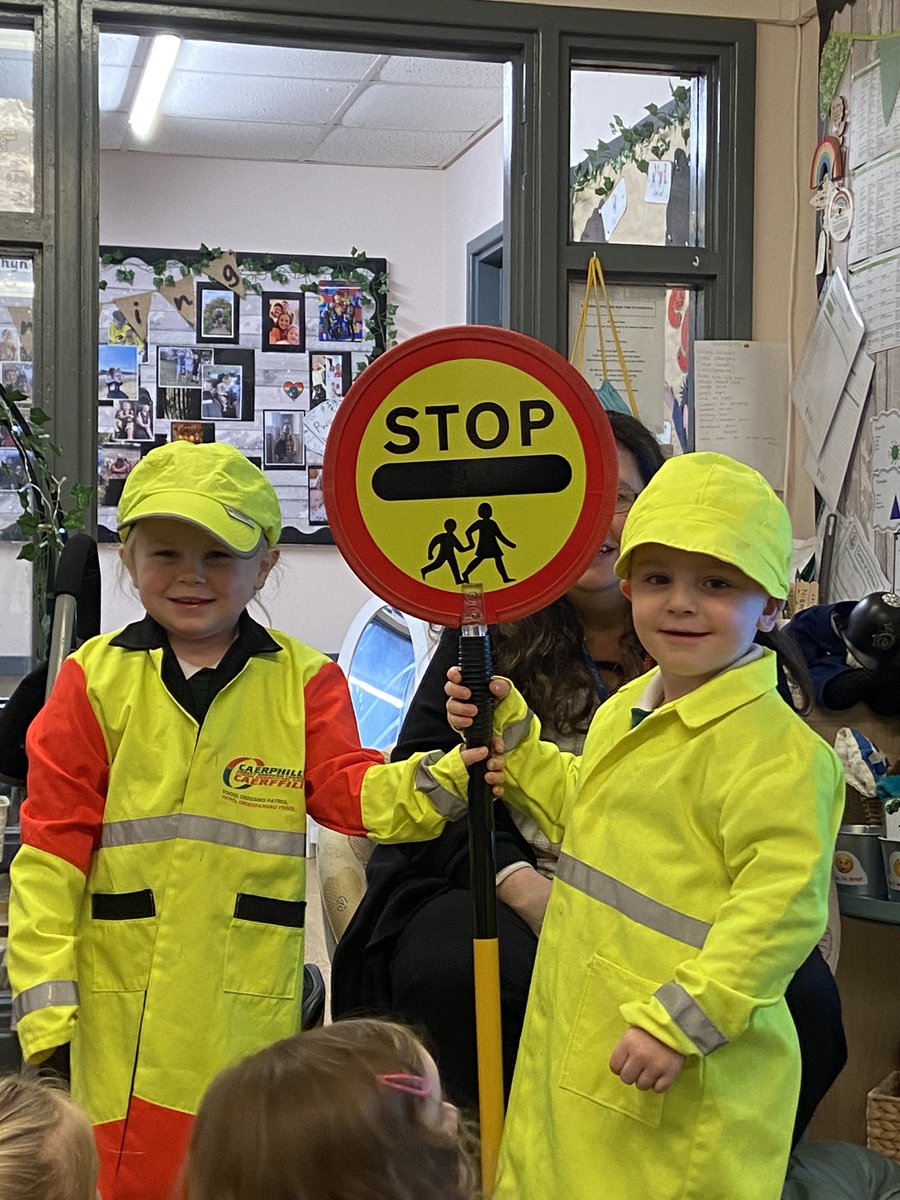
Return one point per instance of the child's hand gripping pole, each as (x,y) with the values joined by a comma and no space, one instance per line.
(475,662)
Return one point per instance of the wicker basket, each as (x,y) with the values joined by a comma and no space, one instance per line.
(883,1117)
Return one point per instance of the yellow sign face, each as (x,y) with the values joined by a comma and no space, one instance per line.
(470,471)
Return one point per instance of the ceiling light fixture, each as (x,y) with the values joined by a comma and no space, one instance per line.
(157,70)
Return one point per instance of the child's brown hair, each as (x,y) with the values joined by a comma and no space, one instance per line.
(311,1118)
(47,1149)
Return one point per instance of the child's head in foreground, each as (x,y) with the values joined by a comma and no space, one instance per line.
(47,1147)
(705,560)
(199,527)
(351,1111)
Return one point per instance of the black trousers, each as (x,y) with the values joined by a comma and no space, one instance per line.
(433,990)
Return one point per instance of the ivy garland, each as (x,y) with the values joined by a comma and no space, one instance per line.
(381,327)
(636,144)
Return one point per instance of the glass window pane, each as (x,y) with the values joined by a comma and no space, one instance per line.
(636,161)
(16,120)
(16,355)
(657,326)
(381,679)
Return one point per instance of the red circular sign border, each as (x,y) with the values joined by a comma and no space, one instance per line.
(351,421)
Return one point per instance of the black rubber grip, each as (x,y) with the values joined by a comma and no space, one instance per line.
(476,664)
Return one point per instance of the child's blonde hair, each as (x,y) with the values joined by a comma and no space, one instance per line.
(47,1149)
(309,1119)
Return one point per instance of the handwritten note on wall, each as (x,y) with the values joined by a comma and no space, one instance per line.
(741,402)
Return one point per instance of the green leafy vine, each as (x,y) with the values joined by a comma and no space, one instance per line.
(637,144)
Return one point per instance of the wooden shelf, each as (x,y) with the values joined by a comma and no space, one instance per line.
(868,909)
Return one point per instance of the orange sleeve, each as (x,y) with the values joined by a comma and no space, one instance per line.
(68,770)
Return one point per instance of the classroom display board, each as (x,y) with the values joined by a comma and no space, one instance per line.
(254,350)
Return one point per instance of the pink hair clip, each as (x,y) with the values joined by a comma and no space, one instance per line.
(416,1085)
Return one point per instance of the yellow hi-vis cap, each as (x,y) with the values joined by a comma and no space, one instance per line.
(213,486)
(711,504)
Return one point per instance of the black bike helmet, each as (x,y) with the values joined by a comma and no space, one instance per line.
(871,630)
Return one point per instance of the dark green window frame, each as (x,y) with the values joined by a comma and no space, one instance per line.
(538,41)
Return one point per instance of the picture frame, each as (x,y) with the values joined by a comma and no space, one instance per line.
(198,432)
(315,514)
(178,404)
(217,315)
(242,361)
(340,313)
(283,328)
(116,460)
(283,448)
(117,373)
(330,375)
(179,366)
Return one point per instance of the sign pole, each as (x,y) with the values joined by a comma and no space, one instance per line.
(476,665)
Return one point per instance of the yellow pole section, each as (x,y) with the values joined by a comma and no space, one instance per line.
(490,1057)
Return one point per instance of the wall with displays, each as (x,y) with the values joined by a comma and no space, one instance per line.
(419,222)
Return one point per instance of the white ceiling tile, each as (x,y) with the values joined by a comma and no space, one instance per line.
(113,86)
(443,72)
(274,100)
(387,148)
(402,106)
(233,139)
(113,127)
(286,62)
(117,49)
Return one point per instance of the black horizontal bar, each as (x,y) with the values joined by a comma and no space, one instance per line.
(533,474)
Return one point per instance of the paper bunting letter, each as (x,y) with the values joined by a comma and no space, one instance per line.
(135,309)
(225,270)
(181,296)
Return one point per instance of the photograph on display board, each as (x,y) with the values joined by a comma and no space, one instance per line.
(218,314)
(340,313)
(12,471)
(282,440)
(117,374)
(9,343)
(220,396)
(316,514)
(197,432)
(240,365)
(330,375)
(180,365)
(115,463)
(133,419)
(17,376)
(283,324)
(120,333)
(26,335)
(178,404)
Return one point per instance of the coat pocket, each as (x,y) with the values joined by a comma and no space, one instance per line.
(597,1028)
(264,952)
(122,937)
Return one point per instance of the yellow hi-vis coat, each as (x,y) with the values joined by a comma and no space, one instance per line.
(158,898)
(693,881)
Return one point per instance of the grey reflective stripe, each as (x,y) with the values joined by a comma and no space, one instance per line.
(630,903)
(195,828)
(43,995)
(690,1017)
(516,732)
(447,803)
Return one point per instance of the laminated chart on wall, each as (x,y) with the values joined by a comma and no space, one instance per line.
(886,471)
(875,284)
(876,215)
(855,570)
(827,359)
(870,137)
(829,468)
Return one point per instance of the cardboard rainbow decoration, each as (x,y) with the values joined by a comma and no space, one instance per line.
(828,161)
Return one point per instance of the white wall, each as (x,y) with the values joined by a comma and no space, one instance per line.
(473,204)
(420,221)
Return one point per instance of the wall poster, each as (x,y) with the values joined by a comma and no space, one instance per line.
(191,348)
